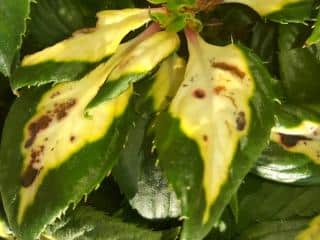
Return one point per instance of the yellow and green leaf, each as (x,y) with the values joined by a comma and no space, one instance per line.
(293,154)
(216,127)
(312,232)
(72,58)
(137,64)
(55,151)
(282,11)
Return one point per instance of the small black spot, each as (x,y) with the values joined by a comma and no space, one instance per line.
(72,138)
(241,121)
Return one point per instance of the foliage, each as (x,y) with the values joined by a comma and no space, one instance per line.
(159,119)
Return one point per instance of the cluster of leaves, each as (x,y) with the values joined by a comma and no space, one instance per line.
(124,127)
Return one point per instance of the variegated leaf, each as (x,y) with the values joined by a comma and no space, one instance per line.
(54,151)
(293,155)
(283,11)
(137,64)
(74,57)
(312,232)
(138,175)
(216,127)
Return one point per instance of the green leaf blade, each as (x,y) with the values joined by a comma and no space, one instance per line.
(13,16)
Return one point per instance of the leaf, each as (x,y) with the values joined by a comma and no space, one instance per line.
(264,43)
(157,1)
(137,63)
(54,20)
(315,36)
(4,229)
(85,49)
(283,11)
(137,172)
(274,230)
(231,23)
(293,154)
(88,224)
(13,16)
(298,70)
(205,156)
(53,154)
(312,232)
(177,5)
(280,211)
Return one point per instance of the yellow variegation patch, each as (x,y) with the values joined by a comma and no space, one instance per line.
(304,139)
(167,82)
(60,127)
(212,105)
(312,232)
(92,45)
(146,55)
(264,7)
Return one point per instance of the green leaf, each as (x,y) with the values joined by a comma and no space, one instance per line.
(231,23)
(137,172)
(157,1)
(292,36)
(177,5)
(283,11)
(264,43)
(214,130)
(137,63)
(315,36)
(280,211)
(293,153)
(299,68)
(13,16)
(85,49)
(45,150)
(86,223)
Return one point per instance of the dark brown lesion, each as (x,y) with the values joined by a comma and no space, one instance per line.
(199,93)
(72,138)
(241,121)
(205,138)
(29,176)
(291,140)
(61,109)
(230,68)
(37,126)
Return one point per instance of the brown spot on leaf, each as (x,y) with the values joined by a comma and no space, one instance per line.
(61,110)
(35,127)
(230,68)
(291,140)
(217,90)
(55,94)
(241,121)
(29,176)
(72,138)
(205,138)
(199,93)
